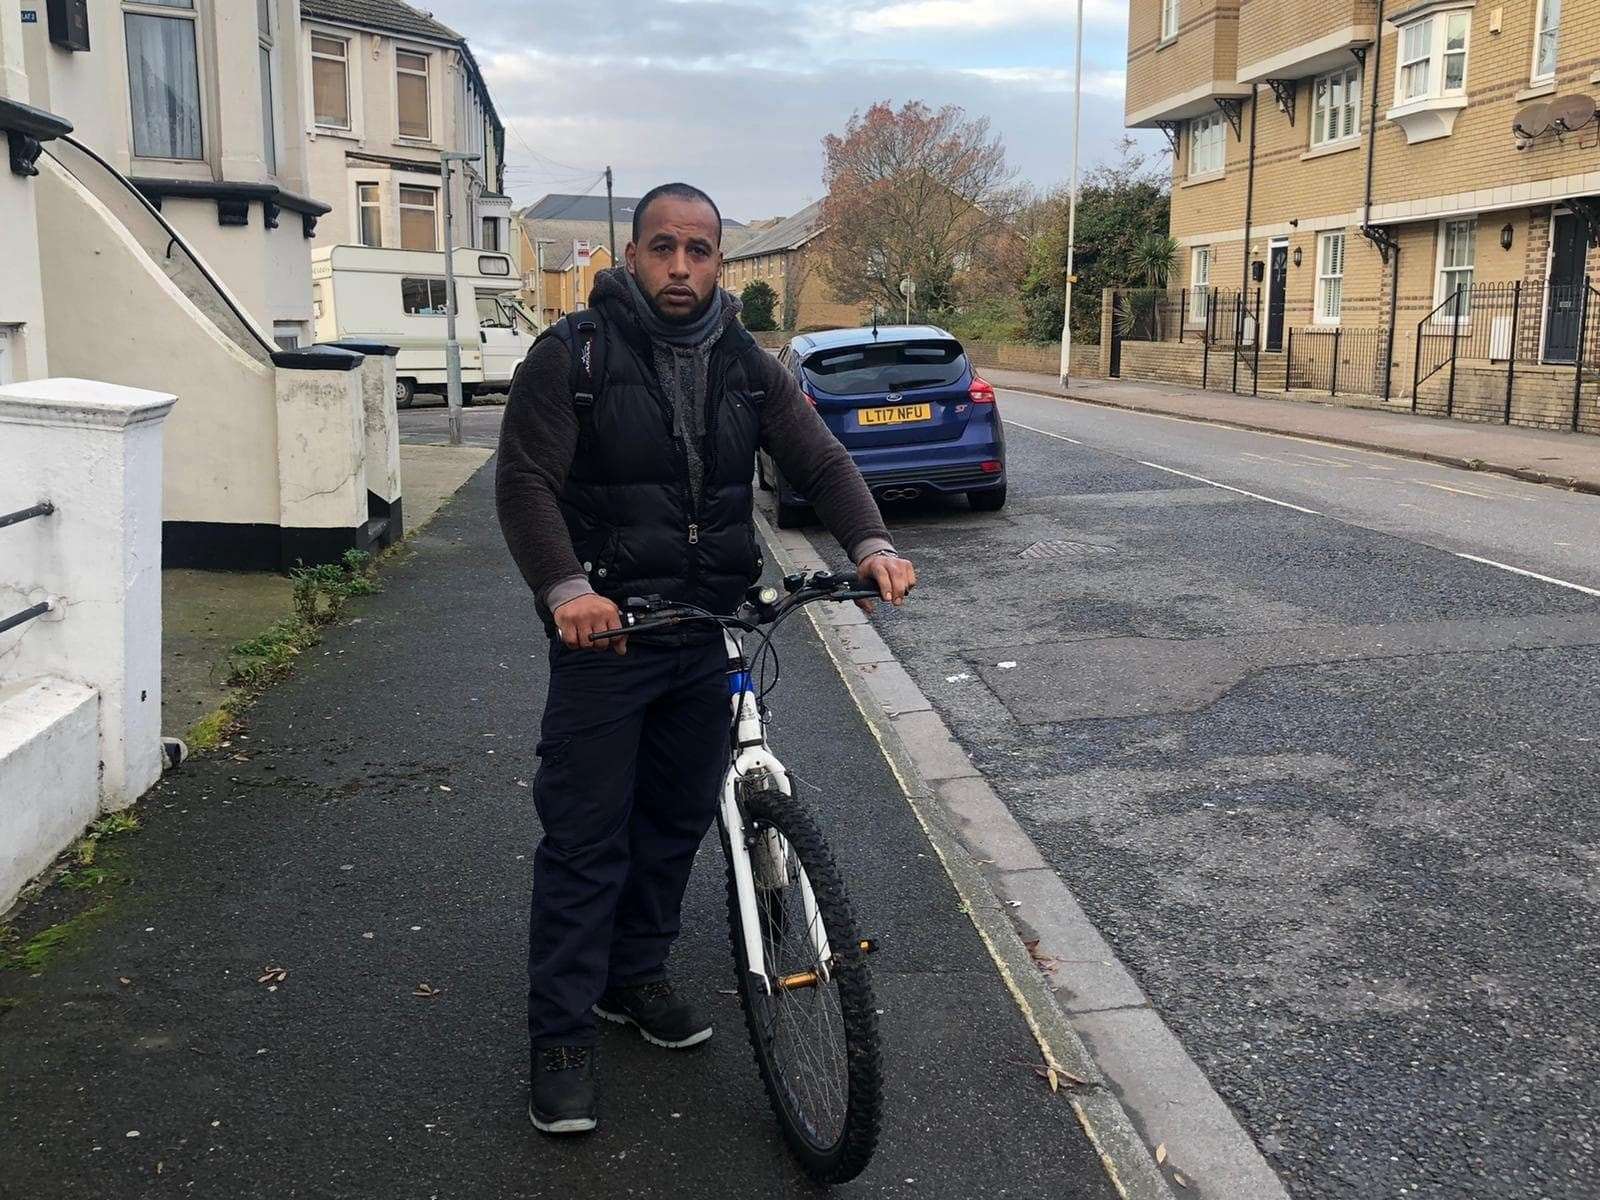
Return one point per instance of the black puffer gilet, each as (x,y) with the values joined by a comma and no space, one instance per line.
(634,523)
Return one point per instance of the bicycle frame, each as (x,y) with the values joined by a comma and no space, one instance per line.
(751,756)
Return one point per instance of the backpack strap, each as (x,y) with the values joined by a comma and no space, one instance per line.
(584,336)
(755,362)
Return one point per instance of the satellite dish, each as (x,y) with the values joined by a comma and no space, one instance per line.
(1531,121)
(1572,113)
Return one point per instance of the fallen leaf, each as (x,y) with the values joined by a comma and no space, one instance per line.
(442,788)
(1178,1178)
(273,975)
(133,1133)
(124,980)
(1161,1154)
(427,991)
(1055,1080)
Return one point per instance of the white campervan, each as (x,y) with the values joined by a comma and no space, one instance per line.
(398,297)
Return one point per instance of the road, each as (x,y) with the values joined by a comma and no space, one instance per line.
(428,421)
(1324,783)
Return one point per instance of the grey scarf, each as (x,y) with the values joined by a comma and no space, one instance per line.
(682,355)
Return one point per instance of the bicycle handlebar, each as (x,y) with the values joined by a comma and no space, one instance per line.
(651,614)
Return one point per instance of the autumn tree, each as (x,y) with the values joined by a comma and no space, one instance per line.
(916,193)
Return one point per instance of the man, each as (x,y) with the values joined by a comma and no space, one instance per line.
(626,458)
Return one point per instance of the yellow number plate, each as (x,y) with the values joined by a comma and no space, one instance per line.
(900,414)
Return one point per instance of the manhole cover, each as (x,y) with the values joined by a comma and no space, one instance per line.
(1065,550)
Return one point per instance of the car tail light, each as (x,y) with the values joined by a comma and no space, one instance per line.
(992,467)
(981,392)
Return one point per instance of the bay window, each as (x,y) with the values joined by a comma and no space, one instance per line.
(269,117)
(1433,57)
(164,78)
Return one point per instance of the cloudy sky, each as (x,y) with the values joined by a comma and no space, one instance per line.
(736,95)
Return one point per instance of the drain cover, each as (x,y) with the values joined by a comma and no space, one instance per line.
(1065,550)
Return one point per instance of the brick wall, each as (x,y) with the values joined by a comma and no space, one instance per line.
(1205,49)
(1268,28)
(1041,360)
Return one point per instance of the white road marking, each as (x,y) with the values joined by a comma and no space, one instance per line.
(1310,512)
(1489,562)
(1058,436)
(1458,491)
(1332,462)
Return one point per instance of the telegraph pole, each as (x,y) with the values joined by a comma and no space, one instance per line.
(611,218)
(452,348)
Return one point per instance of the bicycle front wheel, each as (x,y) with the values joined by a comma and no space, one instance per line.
(814,1025)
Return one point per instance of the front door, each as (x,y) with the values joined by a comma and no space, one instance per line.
(1569,244)
(1277,293)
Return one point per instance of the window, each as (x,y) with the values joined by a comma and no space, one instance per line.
(164,79)
(1199,284)
(1546,36)
(1169,19)
(330,81)
(491,315)
(422,297)
(419,218)
(369,206)
(411,93)
(1458,254)
(886,367)
(1433,57)
(1208,149)
(1335,106)
(491,234)
(269,116)
(1330,278)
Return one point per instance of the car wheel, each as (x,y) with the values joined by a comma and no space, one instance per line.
(405,391)
(790,516)
(992,500)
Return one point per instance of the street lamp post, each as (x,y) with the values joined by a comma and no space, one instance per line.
(539,244)
(908,289)
(452,348)
(1072,205)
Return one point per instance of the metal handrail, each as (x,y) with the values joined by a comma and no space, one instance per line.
(42,509)
(177,238)
(26,615)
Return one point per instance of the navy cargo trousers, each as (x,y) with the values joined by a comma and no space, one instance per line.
(633,750)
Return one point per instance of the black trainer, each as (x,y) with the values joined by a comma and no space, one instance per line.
(659,1013)
(563,1094)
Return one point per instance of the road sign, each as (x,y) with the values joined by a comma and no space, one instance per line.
(582,252)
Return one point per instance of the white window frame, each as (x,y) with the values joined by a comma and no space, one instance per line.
(1348,112)
(148,8)
(1169,19)
(361,206)
(1211,122)
(438,239)
(350,92)
(266,13)
(1442,291)
(1331,313)
(1540,34)
(1433,55)
(1199,289)
(427,80)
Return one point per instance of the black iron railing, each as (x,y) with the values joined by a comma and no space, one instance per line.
(1509,325)
(43,509)
(1337,360)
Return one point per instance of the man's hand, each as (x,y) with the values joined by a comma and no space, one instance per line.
(577,619)
(893,576)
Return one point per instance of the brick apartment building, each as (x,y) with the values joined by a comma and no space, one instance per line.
(1372,167)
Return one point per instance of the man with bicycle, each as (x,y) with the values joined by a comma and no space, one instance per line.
(626,458)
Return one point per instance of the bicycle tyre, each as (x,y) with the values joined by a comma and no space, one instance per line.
(842,1157)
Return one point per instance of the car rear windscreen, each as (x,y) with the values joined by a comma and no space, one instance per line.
(886,367)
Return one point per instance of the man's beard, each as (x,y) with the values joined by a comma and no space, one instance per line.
(690,318)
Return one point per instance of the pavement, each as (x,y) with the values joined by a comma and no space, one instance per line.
(1540,456)
(369,831)
(1304,734)
(205,614)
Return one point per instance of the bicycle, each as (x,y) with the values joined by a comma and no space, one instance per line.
(804,982)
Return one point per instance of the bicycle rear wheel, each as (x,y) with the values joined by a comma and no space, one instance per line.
(816,1038)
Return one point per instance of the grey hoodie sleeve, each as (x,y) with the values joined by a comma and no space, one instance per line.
(813,460)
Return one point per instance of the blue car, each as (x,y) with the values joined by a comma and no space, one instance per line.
(908,406)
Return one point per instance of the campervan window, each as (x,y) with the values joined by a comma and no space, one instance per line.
(422,297)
